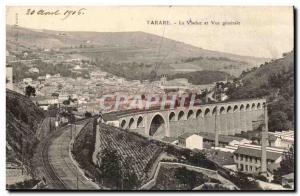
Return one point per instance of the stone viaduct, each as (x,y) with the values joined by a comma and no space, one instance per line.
(227,118)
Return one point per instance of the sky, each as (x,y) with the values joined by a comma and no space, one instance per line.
(256,31)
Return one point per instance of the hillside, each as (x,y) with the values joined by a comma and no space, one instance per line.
(117,159)
(119,152)
(258,76)
(22,121)
(275,81)
(133,51)
(203,77)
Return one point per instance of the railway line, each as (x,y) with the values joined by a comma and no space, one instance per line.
(56,182)
(59,172)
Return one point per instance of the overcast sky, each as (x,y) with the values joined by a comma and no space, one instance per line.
(262,31)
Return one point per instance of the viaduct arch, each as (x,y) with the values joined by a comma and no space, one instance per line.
(227,118)
(157,127)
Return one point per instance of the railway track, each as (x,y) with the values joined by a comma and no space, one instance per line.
(52,178)
(56,182)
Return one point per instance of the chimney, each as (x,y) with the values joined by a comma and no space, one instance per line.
(264,143)
(216,130)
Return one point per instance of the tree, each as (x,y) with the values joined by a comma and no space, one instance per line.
(152,75)
(59,86)
(66,102)
(129,178)
(197,158)
(53,106)
(110,166)
(186,177)
(243,181)
(72,118)
(55,95)
(246,91)
(30,91)
(276,80)
(215,187)
(278,121)
(287,162)
(88,114)
(286,165)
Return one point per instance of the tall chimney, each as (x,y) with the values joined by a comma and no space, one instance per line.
(264,143)
(216,130)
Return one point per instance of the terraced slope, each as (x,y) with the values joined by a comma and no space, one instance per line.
(141,152)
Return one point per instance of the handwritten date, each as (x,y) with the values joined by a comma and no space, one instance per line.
(65,13)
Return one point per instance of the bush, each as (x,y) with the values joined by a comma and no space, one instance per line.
(243,181)
(261,177)
(216,186)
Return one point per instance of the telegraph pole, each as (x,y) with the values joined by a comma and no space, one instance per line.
(73,145)
(71,129)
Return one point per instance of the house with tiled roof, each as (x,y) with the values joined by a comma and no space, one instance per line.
(248,158)
(224,140)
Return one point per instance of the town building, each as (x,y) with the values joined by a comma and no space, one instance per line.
(286,138)
(273,141)
(9,78)
(44,102)
(27,81)
(77,67)
(224,140)
(110,119)
(191,141)
(33,70)
(180,84)
(248,158)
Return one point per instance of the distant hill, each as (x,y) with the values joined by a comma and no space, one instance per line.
(22,120)
(275,81)
(130,49)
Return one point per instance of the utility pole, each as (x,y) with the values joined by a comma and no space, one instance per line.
(71,130)
(77,186)
(50,123)
(17,32)
(73,145)
(73,135)
(22,143)
(22,150)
